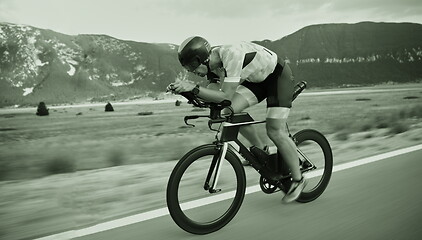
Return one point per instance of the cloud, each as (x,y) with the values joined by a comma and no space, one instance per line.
(219,20)
(388,5)
(253,8)
(214,9)
(6,10)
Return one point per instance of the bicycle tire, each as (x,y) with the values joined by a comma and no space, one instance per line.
(322,142)
(172,195)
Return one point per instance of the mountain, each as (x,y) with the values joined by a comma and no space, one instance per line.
(347,54)
(43,65)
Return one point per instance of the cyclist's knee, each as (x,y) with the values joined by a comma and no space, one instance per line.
(239,103)
(275,133)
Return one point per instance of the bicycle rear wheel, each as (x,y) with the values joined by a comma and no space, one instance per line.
(195,209)
(316,163)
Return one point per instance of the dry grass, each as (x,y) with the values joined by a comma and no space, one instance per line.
(33,146)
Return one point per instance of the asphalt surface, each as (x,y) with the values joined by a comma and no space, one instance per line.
(379,200)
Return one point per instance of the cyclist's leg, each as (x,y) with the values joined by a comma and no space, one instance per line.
(242,99)
(280,87)
(276,130)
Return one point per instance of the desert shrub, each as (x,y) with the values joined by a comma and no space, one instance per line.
(394,120)
(305,118)
(116,158)
(145,113)
(178,103)
(4,169)
(109,107)
(411,97)
(382,125)
(414,111)
(342,136)
(399,127)
(369,135)
(60,164)
(366,126)
(341,125)
(382,121)
(7,129)
(403,114)
(42,109)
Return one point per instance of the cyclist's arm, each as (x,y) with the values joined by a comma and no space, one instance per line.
(213,92)
(217,96)
(214,86)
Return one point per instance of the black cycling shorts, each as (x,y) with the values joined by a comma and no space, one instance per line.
(277,88)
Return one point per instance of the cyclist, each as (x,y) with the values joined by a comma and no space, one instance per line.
(246,73)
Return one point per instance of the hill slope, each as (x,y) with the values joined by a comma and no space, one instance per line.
(363,53)
(43,65)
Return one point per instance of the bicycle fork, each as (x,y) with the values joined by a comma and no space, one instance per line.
(216,164)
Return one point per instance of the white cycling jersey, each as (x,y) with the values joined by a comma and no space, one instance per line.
(247,61)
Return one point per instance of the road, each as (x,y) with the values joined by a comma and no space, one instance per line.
(378,200)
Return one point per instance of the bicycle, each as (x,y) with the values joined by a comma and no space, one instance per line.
(189,196)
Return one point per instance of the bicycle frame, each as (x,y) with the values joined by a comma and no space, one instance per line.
(229,141)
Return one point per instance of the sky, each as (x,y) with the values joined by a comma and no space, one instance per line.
(219,21)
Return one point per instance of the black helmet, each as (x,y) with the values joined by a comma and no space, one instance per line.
(193,52)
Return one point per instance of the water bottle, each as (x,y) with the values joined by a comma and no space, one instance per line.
(298,89)
(273,160)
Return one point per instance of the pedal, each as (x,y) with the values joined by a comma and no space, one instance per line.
(270,175)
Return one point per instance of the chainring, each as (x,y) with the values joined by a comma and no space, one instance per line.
(267,186)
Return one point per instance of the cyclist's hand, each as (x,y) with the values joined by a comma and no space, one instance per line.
(170,88)
(182,86)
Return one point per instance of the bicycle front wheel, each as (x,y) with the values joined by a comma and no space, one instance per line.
(191,205)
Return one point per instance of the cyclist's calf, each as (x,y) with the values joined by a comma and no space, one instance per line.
(276,131)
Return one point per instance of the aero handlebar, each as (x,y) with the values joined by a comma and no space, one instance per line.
(215,108)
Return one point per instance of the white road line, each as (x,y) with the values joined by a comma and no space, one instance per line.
(201,202)
(354,91)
